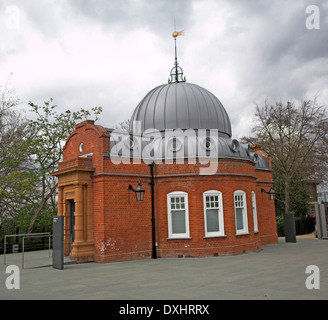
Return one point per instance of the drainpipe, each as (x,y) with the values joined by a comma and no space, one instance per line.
(151,183)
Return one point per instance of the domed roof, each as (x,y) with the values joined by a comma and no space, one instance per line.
(181,105)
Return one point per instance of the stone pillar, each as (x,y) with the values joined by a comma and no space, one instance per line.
(79,214)
(65,207)
(60,201)
(89,215)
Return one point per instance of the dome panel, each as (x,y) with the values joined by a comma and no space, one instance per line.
(159,114)
(194,110)
(181,105)
(152,105)
(170,119)
(182,114)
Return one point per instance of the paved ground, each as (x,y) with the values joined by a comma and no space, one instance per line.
(277,272)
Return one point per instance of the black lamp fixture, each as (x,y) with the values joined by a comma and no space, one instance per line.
(139,191)
(271,193)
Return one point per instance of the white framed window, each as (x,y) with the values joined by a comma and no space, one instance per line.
(256,228)
(240,212)
(213,213)
(178,215)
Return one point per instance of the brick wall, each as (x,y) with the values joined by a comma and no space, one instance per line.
(122,226)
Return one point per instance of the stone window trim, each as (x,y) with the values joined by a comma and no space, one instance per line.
(240,205)
(212,200)
(177,202)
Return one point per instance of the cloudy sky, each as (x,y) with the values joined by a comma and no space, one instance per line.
(110,53)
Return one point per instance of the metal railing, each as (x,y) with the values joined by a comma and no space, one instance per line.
(68,241)
(27,235)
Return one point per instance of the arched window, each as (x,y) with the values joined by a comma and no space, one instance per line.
(213,213)
(240,212)
(178,215)
(256,228)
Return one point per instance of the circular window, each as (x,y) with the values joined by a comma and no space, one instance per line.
(81,147)
(235,145)
(131,142)
(255,157)
(208,144)
(175,144)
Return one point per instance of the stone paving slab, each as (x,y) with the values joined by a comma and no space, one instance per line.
(276,272)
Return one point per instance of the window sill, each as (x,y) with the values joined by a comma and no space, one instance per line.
(176,238)
(221,236)
(242,234)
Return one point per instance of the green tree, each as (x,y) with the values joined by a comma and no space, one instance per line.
(124,125)
(296,138)
(17,184)
(50,130)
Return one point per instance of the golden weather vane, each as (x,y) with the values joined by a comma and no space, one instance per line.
(176,73)
(176,33)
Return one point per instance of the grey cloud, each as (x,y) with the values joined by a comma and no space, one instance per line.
(129,14)
(280,29)
(49,18)
(266,45)
(279,45)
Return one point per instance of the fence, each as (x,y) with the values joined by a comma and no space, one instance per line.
(28,244)
(26,236)
(16,242)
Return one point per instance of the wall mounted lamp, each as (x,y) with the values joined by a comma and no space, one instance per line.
(271,193)
(139,191)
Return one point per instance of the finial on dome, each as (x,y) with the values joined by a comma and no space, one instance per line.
(176,72)
(177,33)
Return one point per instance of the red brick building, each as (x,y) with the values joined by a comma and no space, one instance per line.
(209,191)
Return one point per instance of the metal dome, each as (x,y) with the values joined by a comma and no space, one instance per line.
(181,105)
